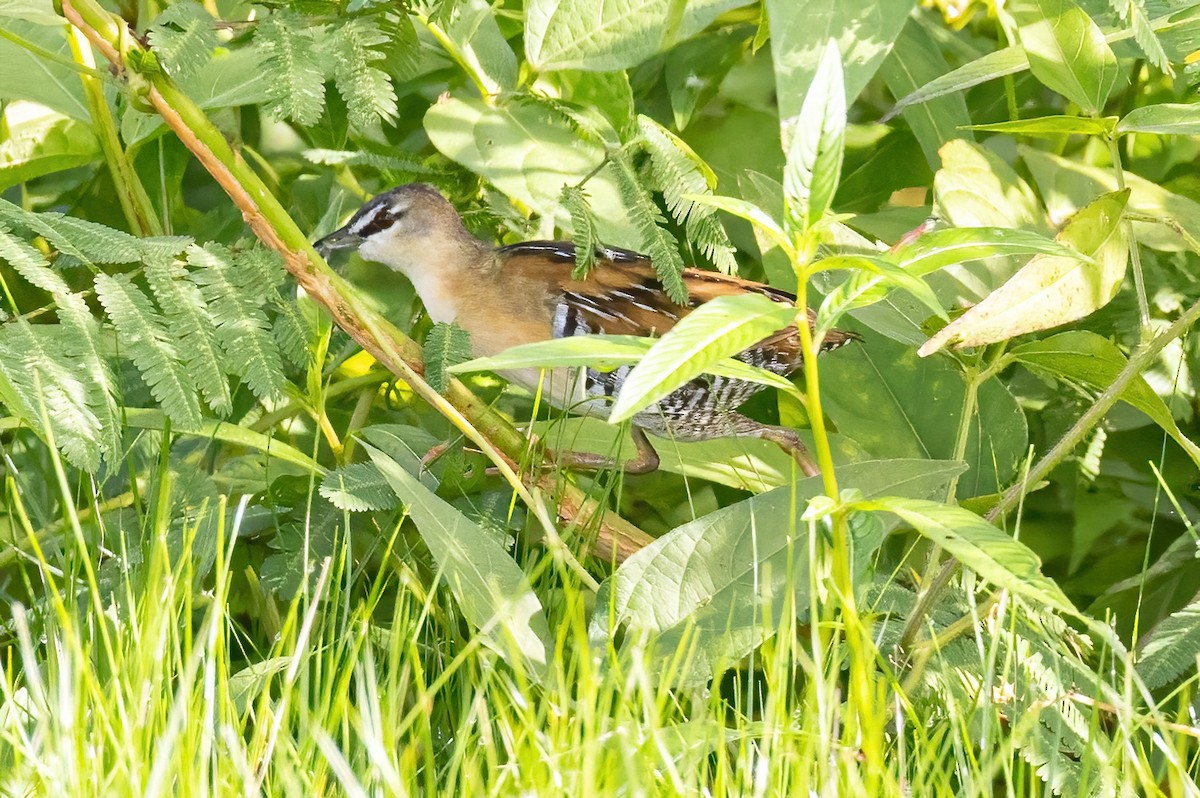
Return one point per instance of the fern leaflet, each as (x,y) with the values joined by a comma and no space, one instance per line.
(296,81)
(446,345)
(660,245)
(370,98)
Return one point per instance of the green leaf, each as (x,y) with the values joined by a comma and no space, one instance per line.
(800,29)
(659,244)
(976,188)
(814,161)
(367,89)
(147,343)
(868,284)
(894,404)
(35,364)
(681,174)
(529,152)
(938,249)
(716,585)
(357,488)
(604,35)
(1094,361)
(1067,51)
(1066,186)
(85,351)
(1168,119)
(583,230)
(717,329)
(242,328)
(1050,289)
(30,263)
(914,61)
(493,593)
(184,37)
(1169,650)
(36,65)
(763,222)
(992,65)
(604,353)
(1053,126)
(446,345)
(297,80)
(185,309)
(1000,559)
(482,49)
(39,141)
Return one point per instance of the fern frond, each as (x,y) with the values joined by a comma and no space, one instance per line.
(583,229)
(241,326)
(29,263)
(367,90)
(295,79)
(45,378)
(84,349)
(293,333)
(257,271)
(187,315)
(677,171)
(1133,13)
(358,487)
(147,343)
(184,38)
(659,244)
(446,345)
(83,241)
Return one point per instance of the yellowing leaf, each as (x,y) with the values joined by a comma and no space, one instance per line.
(1050,289)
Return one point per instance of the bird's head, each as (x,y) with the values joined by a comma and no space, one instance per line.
(409,228)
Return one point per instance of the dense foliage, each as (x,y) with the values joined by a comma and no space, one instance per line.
(266,529)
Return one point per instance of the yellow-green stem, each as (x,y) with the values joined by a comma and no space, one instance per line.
(275,228)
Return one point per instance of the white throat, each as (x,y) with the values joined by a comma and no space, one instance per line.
(427,278)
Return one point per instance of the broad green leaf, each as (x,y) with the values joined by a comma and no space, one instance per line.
(492,591)
(232,434)
(480,46)
(40,12)
(815,144)
(1053,126)
(604,353)
(992,65)
(1067,51)
(1169,119)
(763,222)
(1087,358)
(976,188)
(871,278)
(1051,289)
(1170,649)
(894,404)
(29,75)
(604,35)
(863,30)
(39,141)
(938,249)
(718,584)
(1067,186)
(999,558)
(716,330)
(914,61)
(529,152)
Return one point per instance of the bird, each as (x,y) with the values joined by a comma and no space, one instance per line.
(527,292)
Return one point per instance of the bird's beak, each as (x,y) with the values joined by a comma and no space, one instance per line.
(338,239)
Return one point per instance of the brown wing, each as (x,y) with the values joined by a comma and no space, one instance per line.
(622,295)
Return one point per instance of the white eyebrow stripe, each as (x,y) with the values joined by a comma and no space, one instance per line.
(366,220)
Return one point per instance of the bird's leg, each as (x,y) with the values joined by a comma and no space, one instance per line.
(783,437)
(646,461)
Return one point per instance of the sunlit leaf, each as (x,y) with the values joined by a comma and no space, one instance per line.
(815,145)
(1051,289)
(1067,51)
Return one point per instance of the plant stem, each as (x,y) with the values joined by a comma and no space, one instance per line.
(135,203)
(1135,256)
(1138,362)
(394,350)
